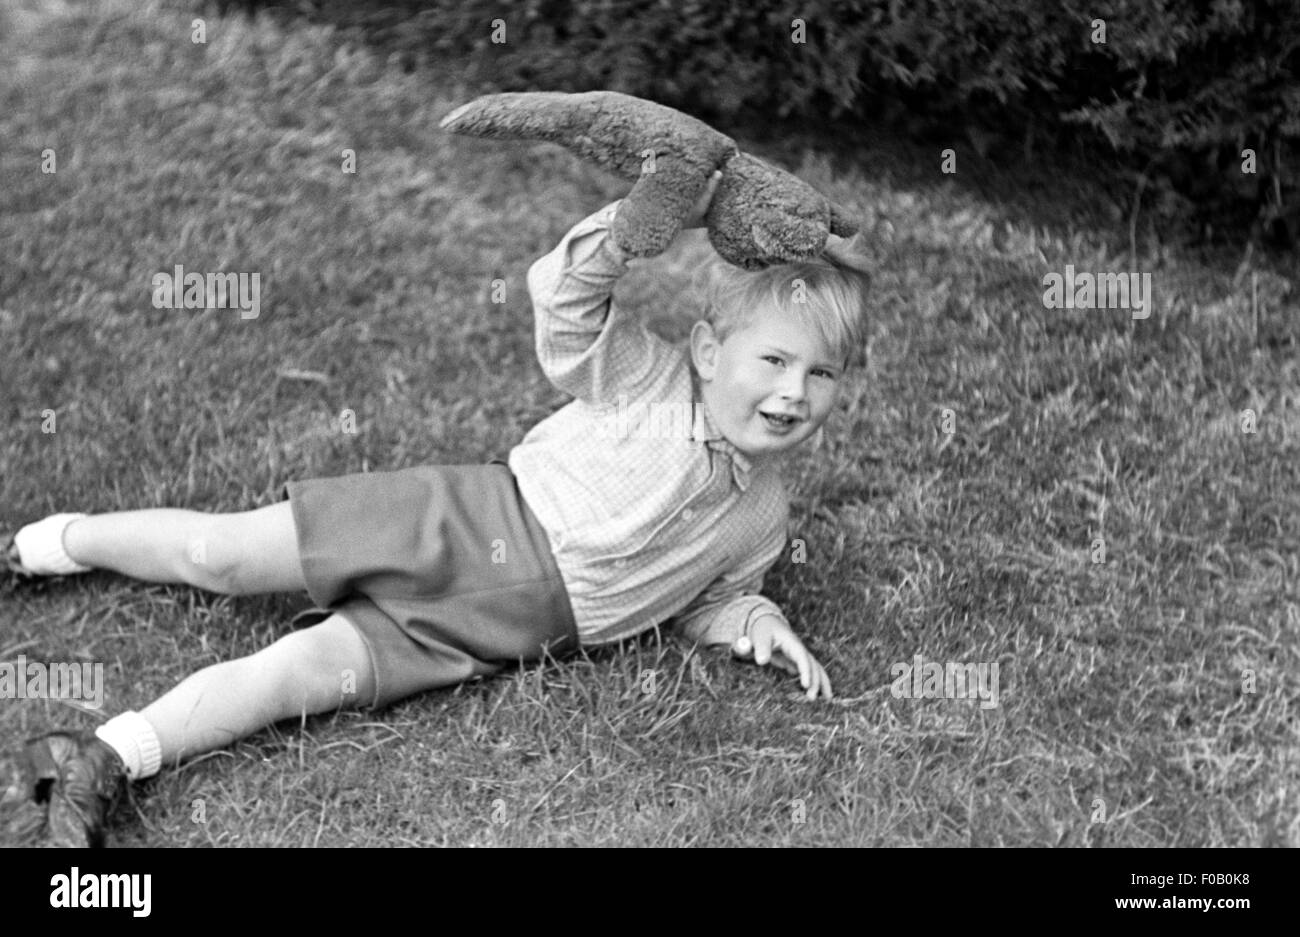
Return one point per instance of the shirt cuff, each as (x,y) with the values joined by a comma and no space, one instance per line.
(730,621)
(599,226)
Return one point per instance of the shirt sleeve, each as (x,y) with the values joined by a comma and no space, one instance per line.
(719,615)
(587,346)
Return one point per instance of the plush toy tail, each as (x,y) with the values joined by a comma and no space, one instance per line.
(616,131)
(520,115)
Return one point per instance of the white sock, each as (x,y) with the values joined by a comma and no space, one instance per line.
(136,743)
(40,547)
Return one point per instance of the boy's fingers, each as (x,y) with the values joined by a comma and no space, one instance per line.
(709,188)
(825,682)
(781,662)
(768,651)
(787,652)
(762,647)
(820,682)
(797,655)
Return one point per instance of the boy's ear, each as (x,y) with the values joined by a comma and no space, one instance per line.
(704,349)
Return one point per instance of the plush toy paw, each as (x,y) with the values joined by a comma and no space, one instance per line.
(760,215)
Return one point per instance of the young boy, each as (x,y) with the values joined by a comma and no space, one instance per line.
(607,520)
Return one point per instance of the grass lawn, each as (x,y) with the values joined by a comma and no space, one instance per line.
(1150,700)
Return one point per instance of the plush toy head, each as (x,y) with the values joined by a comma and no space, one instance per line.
(760,215)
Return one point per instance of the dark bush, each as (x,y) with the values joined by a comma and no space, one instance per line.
(1177,90)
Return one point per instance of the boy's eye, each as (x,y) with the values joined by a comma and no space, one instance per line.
(772,358)
(824,373)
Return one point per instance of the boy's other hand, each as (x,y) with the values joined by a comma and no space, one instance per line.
(774,642)
(701,207)
(848,252)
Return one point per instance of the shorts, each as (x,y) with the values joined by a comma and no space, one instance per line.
(443,569)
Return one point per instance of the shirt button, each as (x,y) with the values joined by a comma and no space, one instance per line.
(687,514)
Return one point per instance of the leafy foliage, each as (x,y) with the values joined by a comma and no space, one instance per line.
(1175,91)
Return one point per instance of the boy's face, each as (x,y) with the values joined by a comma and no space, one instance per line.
(770,385)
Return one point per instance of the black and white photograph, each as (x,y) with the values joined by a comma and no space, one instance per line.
(643,424)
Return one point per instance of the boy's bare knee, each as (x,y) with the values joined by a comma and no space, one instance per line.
(247,553)
(210,556)
(321,668)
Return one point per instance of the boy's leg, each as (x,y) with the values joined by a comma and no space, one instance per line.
(318,669)
(64,784)
(236,554)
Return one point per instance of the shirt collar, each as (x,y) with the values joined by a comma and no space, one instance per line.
(707,432)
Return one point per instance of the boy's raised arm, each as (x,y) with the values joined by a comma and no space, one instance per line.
(585,346)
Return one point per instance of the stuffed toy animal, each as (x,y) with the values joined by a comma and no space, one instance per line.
(760,215)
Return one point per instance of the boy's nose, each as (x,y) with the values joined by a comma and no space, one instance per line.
(792,387)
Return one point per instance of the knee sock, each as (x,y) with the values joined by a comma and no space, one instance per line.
(136,743)
(40,547)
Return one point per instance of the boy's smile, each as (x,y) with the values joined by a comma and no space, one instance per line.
(770,385)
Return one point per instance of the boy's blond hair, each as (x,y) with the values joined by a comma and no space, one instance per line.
(825,296)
